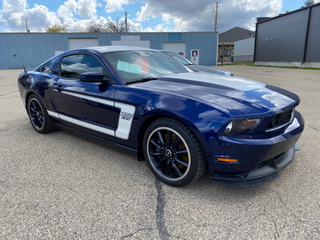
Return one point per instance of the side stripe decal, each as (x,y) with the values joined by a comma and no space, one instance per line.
(87,125)
(53,114)
(125,118)
(94,99)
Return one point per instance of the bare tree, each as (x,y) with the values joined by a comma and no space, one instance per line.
(56,28)
(95,28)
(111,27)
(79,29)
(116,26)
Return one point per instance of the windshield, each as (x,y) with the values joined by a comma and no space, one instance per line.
(133,66)
(180,58)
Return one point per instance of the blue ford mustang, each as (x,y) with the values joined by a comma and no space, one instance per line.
(181,122)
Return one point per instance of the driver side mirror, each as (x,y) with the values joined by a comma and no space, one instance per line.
(94,77)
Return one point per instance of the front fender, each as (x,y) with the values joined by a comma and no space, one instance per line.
(204,121)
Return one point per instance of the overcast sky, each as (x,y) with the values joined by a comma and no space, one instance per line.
(143,16)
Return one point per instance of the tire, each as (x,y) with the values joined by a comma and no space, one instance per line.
(173,153)
(38,115)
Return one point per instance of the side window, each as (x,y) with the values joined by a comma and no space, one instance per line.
(73,66)
(46,67)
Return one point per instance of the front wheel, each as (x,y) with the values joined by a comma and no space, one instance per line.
(39,118)
(173,153)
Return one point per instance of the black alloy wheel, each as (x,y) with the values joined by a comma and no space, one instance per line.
(173,153)
(39,118)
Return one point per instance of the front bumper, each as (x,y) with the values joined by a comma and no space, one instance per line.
(259,160)
(264,172)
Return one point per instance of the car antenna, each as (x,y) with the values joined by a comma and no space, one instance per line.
(24,68)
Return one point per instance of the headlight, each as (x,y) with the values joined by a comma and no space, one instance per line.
(241,125)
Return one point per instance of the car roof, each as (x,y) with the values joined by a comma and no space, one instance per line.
(104,49)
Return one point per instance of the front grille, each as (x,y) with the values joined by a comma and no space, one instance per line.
(280,120)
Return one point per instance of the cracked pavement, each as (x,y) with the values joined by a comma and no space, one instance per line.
(61,186)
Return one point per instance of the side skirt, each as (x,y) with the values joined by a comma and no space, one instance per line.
(104,142)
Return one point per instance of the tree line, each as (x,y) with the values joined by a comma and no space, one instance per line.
(110,27)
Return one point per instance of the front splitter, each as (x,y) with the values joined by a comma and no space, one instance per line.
(269,171)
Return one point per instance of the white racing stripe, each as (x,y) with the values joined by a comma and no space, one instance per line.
(81,123)
(94,99)
(125,117)
(125,120)
(240,84)
(53,114)
(87,125)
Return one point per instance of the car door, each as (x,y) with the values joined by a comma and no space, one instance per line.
(84,105)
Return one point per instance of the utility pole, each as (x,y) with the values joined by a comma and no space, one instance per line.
(222,54)
(216,18)
(126,21)
(27,26)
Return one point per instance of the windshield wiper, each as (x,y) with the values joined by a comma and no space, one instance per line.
(143,80)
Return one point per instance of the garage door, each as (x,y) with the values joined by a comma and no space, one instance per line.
(75,43)
(175,47)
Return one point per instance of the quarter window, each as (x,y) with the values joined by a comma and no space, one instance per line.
(46,67)
(73,66)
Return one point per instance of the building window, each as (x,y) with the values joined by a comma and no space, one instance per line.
(227,53)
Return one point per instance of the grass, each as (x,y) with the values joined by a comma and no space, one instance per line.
(250,64)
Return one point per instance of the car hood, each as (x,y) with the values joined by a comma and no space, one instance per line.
(237,96)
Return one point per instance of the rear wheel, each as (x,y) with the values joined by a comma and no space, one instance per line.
(173,153)
(39,118)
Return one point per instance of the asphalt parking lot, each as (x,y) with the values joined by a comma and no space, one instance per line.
(61,186)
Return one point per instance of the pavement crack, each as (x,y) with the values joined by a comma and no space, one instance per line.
(139,230)
(276,233)
(295,216)
(163,233)
(313,127)
(7,94)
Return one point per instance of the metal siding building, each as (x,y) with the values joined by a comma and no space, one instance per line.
(313,50)
(290,39)
(35,48)
(244,50)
